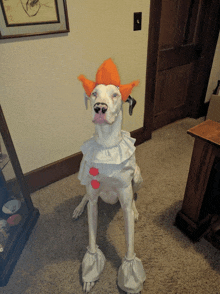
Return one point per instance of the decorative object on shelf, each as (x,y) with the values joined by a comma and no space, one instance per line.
(24,18)
(14,219)
(109,170)
(17,213)
(11,206)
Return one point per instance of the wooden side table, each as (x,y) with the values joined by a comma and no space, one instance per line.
(197,216)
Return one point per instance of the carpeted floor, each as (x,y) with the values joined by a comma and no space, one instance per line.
(51,260)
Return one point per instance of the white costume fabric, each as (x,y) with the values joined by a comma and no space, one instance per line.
(92,265)
(116,168)
(131,275)
(116,164)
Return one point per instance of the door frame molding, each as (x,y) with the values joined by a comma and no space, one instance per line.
(152,61)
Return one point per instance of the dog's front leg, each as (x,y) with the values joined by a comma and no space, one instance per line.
(92,221)
(126,198)
(94,260)
(131,274)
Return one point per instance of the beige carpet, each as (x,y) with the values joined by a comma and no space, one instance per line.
(51,260)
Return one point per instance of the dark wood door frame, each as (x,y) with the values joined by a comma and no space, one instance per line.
(152,61)
(200,77)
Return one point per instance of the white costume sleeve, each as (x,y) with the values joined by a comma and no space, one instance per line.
(92,265)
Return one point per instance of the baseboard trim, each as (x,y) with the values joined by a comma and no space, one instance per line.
(53,172)
(65,167)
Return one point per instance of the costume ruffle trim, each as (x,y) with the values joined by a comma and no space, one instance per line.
(96,153)
(92,265)
(131,275)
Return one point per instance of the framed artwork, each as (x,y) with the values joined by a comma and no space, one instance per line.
(21,18)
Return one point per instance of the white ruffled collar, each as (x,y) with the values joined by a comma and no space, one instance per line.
(96,153)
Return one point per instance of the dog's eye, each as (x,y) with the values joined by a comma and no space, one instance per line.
(94,94)
(115,95)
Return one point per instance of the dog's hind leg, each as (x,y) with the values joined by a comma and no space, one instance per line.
(80,208)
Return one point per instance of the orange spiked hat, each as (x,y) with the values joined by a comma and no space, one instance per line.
(107,74)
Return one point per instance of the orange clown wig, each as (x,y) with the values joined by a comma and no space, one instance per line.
(107,74)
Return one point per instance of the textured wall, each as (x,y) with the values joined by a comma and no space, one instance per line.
(215,72)
(39,91)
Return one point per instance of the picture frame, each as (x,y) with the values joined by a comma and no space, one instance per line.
(23,18)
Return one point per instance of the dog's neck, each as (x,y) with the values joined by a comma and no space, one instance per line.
(109,135)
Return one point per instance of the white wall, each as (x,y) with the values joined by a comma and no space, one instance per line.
(39,92)
(215,72)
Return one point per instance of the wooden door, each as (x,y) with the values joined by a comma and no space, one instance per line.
(182,40)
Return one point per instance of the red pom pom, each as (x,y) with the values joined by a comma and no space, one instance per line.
(95,184)
(93,171)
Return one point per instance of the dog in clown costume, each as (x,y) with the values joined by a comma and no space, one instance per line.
(109,170)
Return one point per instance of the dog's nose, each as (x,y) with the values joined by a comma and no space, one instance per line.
(97,109)
(104,109)
(100,107)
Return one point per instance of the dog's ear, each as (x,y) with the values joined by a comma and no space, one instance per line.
(86,98)
(132,102)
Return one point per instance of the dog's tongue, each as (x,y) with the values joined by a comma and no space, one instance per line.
(99,118)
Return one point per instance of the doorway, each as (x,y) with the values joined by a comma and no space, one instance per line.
(182,39)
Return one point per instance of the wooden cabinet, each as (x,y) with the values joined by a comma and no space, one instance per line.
(201,205)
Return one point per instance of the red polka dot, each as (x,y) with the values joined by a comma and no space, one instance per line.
(95,184)
(93,171)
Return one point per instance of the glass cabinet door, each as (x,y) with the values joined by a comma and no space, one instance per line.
(18,216)
(13,208)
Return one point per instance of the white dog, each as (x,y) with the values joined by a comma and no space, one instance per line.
(109,170)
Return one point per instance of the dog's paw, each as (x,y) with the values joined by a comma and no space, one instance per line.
(88,286)
(78,211)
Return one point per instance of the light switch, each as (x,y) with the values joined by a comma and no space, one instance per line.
(137,21)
